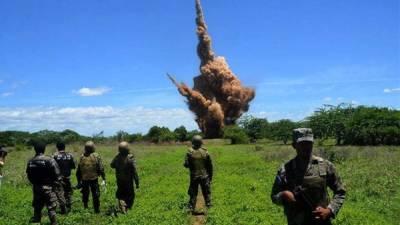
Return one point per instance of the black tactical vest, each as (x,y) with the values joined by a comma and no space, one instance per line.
(65,162)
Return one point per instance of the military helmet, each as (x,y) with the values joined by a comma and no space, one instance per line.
(303,134)
(197,139)
(123,147)
(89,146)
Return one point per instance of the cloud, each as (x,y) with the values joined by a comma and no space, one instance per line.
(390,90)
(87,92)
(327,99)
(7,94)
(91,120)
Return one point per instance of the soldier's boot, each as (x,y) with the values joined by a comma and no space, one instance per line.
(53,218)
(96,205)
(122,206)
(68,208)
(63,210)
(37,216)
(207,199)
(192,203)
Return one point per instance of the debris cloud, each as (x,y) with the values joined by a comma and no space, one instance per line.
(217,98)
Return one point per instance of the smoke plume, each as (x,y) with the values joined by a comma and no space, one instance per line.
(217,98)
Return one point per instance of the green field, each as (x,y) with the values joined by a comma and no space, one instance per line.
(241,187)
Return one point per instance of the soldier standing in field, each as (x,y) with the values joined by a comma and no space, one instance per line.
(43,173)
(199,163)
(64,190)
(126,174)
(90,167)
(301,185)
(3,154)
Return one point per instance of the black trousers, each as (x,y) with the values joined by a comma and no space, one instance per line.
(205,185)
(91,186)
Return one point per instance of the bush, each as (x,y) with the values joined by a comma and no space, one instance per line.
(236,134)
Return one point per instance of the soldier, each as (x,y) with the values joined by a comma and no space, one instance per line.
(64,191)
(301,185)
(43,173)
(3,154)
(90,167)
(201,172)
(126,174)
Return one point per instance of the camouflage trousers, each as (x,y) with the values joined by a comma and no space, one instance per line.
(205,185)
(43,195)
(64,193)
(91,186)
(125,195)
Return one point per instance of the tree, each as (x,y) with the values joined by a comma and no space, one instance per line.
(160,134)
(255,128)
(181,134)
(281,130)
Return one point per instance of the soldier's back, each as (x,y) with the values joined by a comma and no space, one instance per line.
(40,170)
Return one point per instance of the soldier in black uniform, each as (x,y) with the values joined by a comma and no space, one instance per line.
(43,173)
(64,190)
(198,161)
(126,174)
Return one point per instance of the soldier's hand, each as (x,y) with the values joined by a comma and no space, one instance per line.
(288,197)
(103,183)
(322,213)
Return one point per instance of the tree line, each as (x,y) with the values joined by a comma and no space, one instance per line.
(343,123)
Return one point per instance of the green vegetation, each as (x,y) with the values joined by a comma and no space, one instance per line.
(243,179)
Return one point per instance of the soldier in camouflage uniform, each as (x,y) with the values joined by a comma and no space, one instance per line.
(126,174)
(301,185)
(90,167)
(64,191)
(43,173)
(201,172)
(3,154)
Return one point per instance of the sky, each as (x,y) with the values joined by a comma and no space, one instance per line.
(100,65)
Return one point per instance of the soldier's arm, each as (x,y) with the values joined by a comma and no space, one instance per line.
(55,170)
(72,163)
(186,163)
(28,173)
(100,167)
(78,174)
(135,174)
(279,186)
(209,167)
(112,164)
(339,193)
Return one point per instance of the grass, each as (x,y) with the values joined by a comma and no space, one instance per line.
(241,188)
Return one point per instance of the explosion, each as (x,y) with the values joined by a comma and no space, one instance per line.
(217,98)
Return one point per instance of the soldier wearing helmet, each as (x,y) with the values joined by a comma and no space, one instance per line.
(301,185)
(125,171)
(90,167)
(199,163)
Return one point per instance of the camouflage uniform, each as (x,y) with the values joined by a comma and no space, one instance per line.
(309,186)
(90,167)
(201,172)
(64,190)
(126,174)
(43,172)
(3,154)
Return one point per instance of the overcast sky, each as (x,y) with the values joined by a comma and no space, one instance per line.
(100,65)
